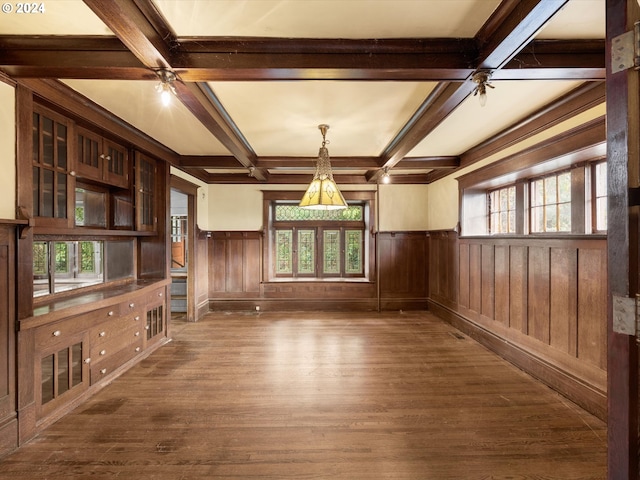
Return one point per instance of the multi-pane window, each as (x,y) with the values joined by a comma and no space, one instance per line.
(59,266)
(502,210)
(550,199)
(600,196)
(318,243)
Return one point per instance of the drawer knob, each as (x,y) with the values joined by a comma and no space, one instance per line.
(137,334)
(137,349)
(87,360)
(102,334)
(137,317)
(103,352)
(131,305)
(103,371)
(159,294)
(56,333)
(146,327)
(110,313)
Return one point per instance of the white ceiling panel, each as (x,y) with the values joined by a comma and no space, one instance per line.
(138,103)
(53,17)
(282,118)
(327,18)
(579,19)
(470,123)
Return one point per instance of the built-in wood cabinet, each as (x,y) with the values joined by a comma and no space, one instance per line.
(90,208)
(77,344)
(101,159)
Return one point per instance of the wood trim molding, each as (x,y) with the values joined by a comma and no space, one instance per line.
(583,143)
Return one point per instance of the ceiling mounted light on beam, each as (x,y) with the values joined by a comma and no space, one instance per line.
(386,178)
(323,193)
(165,88)
(482,78)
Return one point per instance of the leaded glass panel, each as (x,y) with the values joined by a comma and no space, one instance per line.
(306,252)
(295,213)
(331,253)
(353,241)
(284,251)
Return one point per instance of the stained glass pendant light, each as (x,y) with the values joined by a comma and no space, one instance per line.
(323,193)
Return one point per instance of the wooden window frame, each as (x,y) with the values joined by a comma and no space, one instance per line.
(366,198)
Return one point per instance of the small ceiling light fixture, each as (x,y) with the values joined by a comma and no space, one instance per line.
(482,78)
(165,88)
(386,178)
(323,193)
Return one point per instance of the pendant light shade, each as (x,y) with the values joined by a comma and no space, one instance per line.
(323,193)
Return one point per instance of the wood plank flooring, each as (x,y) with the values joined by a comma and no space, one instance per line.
(318,396)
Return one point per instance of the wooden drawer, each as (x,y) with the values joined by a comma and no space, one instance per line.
(132,306)
(106,331)
(61,331)
(156,296)
(103,350)
(103,369)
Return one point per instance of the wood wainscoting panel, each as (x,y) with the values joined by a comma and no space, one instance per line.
(543,298)
(563,299)
(592,307)
(475,277)
(463,282)
(487,301)
(8,407)
(539,289)
(502,290)
(234,264)
(518,287)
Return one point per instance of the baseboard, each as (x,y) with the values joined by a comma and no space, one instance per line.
(590,398)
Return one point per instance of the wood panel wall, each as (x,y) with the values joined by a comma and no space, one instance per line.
(8,412)
(541,303)
(235,270)
(403,272)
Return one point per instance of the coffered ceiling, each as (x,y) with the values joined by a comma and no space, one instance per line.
(255,78)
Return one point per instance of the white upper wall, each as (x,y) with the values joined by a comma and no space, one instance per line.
(403,208)
(239,207)
(8,151)
(443,199)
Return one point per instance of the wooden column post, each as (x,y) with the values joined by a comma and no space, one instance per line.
(623,139)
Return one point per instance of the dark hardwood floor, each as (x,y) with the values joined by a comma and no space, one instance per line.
(318,396)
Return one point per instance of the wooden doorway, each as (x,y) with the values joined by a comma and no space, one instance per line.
(182,245)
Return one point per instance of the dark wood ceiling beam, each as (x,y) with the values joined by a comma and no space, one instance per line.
(208,161)
(285,179)
(438,105)
(510,28)
(143,30)
(523,20)
(199,100)
(409,163)
(556,59)
(108,57)
(133,28)
(310,162)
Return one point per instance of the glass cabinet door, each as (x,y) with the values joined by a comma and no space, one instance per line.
(145,193)
(51,182)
